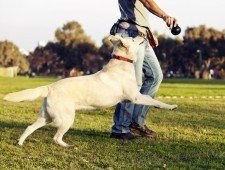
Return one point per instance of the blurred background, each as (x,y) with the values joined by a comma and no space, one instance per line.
(68,38)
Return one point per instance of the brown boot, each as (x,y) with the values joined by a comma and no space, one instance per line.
(143,131)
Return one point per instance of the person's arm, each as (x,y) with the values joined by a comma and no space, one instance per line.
(155,9)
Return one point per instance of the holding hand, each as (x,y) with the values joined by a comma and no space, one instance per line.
(170,21)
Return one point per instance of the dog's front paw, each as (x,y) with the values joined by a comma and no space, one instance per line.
(173,107)
(20,143)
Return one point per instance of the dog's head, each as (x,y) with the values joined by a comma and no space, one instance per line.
(126,47)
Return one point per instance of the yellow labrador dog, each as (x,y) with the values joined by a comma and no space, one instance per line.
(116,82)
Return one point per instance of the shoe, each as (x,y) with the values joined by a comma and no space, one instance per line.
(122,136)
(143,131)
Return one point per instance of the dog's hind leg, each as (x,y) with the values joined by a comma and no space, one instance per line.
(30,129)
(63,115)
(40,122)
(63,126)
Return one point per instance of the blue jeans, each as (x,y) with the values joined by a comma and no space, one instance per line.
(147,63)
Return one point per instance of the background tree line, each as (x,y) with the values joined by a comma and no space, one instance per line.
(201,54)
(10,55)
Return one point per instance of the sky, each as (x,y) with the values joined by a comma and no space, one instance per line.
(26,22)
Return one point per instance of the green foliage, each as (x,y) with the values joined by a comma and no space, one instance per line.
(76,52)
(11,56)
(48,60)
(208,40)
(191,137)
(72,33)
(201,50)
(73,51)
(203,33)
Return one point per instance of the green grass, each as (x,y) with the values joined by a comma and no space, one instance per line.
(192,137)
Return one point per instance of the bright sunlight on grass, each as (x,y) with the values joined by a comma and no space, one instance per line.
(191,137)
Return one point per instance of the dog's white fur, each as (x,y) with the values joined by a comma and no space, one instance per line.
(116,82)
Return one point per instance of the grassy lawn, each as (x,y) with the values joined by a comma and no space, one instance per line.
(192,137)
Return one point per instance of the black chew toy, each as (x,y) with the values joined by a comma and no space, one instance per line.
(176,30)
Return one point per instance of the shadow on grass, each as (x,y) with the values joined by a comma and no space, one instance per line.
(194,117)
(15,126)
(141,153)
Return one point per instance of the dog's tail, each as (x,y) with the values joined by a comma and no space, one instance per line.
(29,94)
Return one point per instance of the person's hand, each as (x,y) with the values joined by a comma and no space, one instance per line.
(170,21)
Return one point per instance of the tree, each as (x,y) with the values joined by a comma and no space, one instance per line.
(72,33)
(78,48)
(74,50)
(195,54)
(10,55)
(47,60)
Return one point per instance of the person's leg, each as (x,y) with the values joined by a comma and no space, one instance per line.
(122,117)
(124,111)
(153,78)
(138,65)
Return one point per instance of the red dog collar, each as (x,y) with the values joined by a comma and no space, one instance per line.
(122,58)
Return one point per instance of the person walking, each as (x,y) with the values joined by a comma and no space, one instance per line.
(128,117)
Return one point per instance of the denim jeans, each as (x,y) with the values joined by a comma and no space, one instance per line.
(147,63)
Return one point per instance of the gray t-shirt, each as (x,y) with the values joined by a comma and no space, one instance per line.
(134,10)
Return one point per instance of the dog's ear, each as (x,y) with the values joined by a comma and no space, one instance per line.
(113,39)
(117,39)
